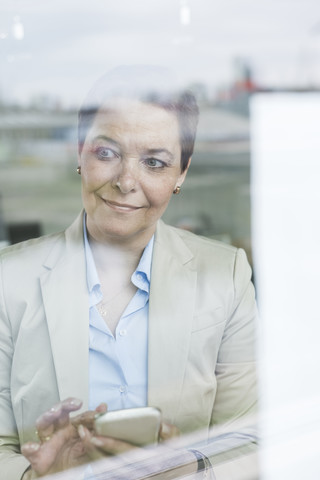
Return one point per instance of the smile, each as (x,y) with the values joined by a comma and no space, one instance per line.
(121,207)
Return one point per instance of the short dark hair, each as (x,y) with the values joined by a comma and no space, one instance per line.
(154,85)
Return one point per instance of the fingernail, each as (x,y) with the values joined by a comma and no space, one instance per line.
(81,432)
(165,429)
(31,447)
(55,408)
(103,407)
(96,442)
(76,402)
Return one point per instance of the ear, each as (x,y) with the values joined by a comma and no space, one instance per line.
(183,175)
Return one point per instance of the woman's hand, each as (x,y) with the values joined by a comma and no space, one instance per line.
(60,445)
(66,443)
(100,446)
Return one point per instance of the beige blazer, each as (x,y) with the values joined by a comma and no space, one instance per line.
(201,333)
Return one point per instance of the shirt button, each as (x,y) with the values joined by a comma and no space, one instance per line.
(122,389)
(123,332)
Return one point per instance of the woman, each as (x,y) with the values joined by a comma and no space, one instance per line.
(121,308)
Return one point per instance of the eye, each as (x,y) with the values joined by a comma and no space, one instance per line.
(154,163)
(106,153)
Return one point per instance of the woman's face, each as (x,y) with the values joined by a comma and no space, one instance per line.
(130,165)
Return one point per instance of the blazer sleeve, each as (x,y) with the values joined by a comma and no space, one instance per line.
(236,364)
(12,463)
(232,446)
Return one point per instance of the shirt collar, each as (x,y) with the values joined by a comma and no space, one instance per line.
(140,277)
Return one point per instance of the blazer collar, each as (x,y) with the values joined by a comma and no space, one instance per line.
(171,310)
(65,299)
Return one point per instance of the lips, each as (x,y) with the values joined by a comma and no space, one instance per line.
(121,207)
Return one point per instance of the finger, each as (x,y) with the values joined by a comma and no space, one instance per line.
(39,463)
(168,431)
(45,424)
(29,450)
(71,404)
(67,406)
(111,446)
(87,418)
(57,417)
(92,451)
(102,408)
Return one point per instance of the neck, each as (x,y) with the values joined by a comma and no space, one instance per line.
(125,245)
(123,255)
(109,255)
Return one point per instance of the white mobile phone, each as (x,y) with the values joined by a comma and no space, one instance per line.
(139,426)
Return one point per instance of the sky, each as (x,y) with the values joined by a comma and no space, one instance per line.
(57,49)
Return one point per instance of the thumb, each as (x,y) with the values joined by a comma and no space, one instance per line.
(168,431)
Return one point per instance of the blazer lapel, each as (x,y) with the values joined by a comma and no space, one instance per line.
(65,301)
(171,309)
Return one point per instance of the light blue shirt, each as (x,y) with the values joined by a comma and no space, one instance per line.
(118,365)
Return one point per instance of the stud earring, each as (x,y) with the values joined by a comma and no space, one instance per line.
(79,170)
(177,190)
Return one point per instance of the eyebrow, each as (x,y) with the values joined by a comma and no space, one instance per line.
(157,151)
(108,139)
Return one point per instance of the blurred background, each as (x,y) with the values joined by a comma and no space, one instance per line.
(225,51)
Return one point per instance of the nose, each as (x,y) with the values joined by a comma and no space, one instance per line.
(125,180)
